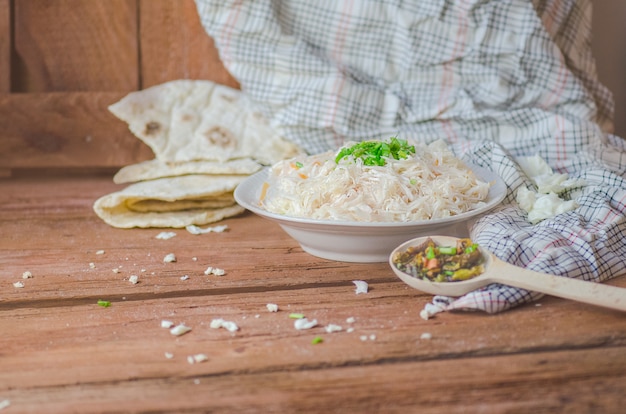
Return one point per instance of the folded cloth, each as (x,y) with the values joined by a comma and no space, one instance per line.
(496,79)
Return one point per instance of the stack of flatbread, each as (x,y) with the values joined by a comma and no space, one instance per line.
(206,139)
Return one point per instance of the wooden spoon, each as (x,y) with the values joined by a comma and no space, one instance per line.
(499,271)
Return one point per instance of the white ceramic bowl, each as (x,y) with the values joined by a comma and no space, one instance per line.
(352,241)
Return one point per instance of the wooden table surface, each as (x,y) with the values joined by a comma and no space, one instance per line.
(60,352)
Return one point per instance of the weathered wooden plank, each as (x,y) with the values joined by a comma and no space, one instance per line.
(76,45)
(49,229)
(608,46)
(75,131)
(6,35)
(583,381)
(42,347)
(61,352)
(174,45)
(62,130)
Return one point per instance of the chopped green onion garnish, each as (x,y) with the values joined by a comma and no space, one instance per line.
(430,253)
(376,152)
(471,249)
(299,164)
(447,250)
(413,181)
(296,315)
(317,340)
(104,303)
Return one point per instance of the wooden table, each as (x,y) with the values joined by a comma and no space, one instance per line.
(60,352)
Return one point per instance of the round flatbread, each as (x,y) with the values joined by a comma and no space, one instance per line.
(190,120)
(152,169)
(171,202)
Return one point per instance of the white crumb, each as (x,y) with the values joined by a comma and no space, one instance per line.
(304,323)
(165,235)
(169,258)
(193,229)
(221,323)
(361,286)
(216,271)
(194,359)
(179,330)
(330,328)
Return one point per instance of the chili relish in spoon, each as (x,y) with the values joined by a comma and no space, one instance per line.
(436,263)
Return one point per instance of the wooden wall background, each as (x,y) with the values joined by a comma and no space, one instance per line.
(63,62)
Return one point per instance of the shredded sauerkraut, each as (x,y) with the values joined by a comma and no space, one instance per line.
(429,184)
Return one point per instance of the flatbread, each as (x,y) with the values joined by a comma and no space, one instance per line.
(159,206)
(206,140)
(189,120)
(152,169)
(173,202)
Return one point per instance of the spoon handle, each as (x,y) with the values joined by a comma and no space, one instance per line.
(607,296)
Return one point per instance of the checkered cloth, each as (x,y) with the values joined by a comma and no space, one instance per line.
(496,79)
